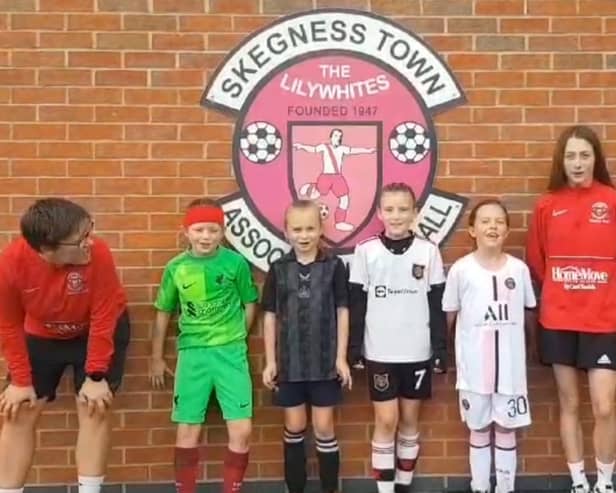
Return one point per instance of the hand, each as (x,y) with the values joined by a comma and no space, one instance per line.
(270,372)
(439,361)
(158,370)
(13,397)
(344,373)
(97,395)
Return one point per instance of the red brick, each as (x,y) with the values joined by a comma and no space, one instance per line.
(569,97)
(150,23)
(234,6)
(499,8)
(221,187)
(149,60)
(94,96)
(525,25)
(598,43)
(576,25)
(67,77)
(150,204)
(94,22)
(46,21)
(524,97)
(471,25)
(423,25)
(123,5)
(38,95)
(499,149)
(206,23)
(95,132)
(39,131)
(179,6)
(552,7)
(121,150)
(200,60)
(68,113)
(65,186)
(151,96)
(66,40)
(38,167)
(177,186)
(151,132)
(122,41)
(122,114)
(549,115)
(553,43)
(121,78)
(151,168)
(66,5)
(94,59)
(95,168)
(179,42)
(578,61)
(499,79)
(12,6)
(17,39)
(497,115)
(250,23)
(177,78)
(205,133)
(16,77)
(69,150)
(17,149)
(179,151)
(224,41)
(597,7)
(518,62)
(551,79)
(177,115)
(472,61)
(598,79)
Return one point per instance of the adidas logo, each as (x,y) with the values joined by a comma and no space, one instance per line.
(604,360)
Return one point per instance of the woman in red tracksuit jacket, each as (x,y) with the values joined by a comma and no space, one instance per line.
(571,252)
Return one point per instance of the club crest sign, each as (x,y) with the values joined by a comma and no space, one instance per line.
(331,105)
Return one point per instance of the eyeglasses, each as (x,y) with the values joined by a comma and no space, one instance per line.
(81,242)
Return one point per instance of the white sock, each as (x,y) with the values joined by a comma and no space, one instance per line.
(90,484)
(383,466)
(505,461)
(480,457)
(578,475)
(11,490)
(604,473)
(407,452)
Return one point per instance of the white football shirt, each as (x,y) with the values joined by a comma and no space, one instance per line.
(397,315)
(490,341)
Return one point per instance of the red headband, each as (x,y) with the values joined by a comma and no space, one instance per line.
(204,214)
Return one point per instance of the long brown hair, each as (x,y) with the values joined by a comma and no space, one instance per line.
(558,178)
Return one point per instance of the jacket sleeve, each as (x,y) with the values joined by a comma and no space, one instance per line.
(12,334)
(358,304)
(535,246)
(105,303)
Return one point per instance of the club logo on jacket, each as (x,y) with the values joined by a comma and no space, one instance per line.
(381,382)
(600,213)
(330,105)
(418,271)
(75,283)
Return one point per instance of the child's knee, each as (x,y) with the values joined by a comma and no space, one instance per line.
(188,435)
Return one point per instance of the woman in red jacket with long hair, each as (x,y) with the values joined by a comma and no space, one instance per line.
(571,252)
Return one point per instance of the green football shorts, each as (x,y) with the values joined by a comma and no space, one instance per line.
(200,370)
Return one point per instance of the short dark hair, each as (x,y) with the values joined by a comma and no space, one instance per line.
(203,202)
(398,187)
(558,178)
(49,221)
(473,215)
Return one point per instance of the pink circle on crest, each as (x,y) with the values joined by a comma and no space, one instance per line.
(291,101)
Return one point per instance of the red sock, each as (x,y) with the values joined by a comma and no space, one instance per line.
(186,469)
(234,470)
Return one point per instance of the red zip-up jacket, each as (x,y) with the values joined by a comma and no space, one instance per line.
(45,300)
(571,253)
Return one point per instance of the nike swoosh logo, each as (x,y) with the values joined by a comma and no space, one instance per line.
(186,286)
(559,212)
(244,405)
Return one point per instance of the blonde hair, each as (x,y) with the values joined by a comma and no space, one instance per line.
(302,204)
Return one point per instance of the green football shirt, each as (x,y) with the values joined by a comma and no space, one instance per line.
(211,293)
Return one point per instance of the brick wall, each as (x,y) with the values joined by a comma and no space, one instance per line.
(100,102)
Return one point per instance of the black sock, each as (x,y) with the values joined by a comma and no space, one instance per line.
(294,461)
(329,463)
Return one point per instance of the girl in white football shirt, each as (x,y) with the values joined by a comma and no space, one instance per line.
(489,299)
